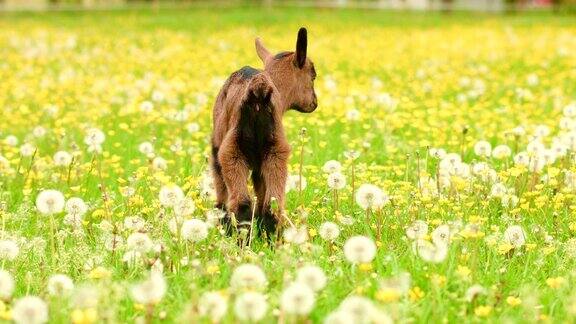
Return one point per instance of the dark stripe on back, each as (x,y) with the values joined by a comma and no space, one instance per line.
(282,55)
(247,72)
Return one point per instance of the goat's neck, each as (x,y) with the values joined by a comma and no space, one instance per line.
(283,89)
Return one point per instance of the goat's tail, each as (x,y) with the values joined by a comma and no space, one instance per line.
(260,91)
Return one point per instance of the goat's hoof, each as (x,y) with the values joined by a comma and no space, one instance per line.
(268,225)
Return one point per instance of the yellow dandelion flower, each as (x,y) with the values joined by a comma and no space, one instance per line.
(99,273)
(86,316)
(212,269)
(388,295)
(463,272)
(365,267)
(483,311)
(555,283)
(415,294)
(513,301)
(438,280)
(505,248)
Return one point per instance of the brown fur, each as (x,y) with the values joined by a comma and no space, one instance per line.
(248,132)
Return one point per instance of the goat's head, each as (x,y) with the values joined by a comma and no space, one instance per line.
(293,74)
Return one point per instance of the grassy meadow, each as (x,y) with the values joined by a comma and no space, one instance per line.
(436,181)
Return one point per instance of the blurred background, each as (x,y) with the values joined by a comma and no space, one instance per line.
(505,6)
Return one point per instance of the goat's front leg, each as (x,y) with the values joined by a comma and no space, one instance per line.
(274,172)
(235,173)
(218,180)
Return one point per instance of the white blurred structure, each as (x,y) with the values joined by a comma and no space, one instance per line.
(474,5)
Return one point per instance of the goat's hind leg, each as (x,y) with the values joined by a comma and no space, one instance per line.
(235,174)
(220,188)
(263,213)
(275,173)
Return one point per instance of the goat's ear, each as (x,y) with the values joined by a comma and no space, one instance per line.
(301,47)
(262,52)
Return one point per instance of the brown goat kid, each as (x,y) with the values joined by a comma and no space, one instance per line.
(248,133)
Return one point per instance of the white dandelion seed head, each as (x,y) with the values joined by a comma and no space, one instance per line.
(170,195)
(437,153)
(509,201)
(336,181)
(248,276)
(566,123)
(85,296)
(450,160)
(158,96)
(193,128)
(134,223)
(541,131)
(194,230)
(501,152)
(441,235)
(515,235)
(294,182)
(312,276)
(76,206)
(150,291)
(39,131)
(537,163)
(7,284)
(359,249)
(461,169)
(498,190)
(297,299)
(353,115)
(329,231)
(548,156)
(30,310)
(94,137)
(339,317)
(332,166)
(9,250)
(379,316)
(146,106)
(358,307)
(62,159)
(418,229)
(146,148)
(184,207)
(522,158)
(4,164)
(212,305)
(430,252)
(50,202)
(296,235)
(11,140)
(570,110)
(535,147)
(559,148)
(371,197)
(159,163)
(139,242)
(213,216)
(251,306)
(60,285)
(473,292)
(27,150)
